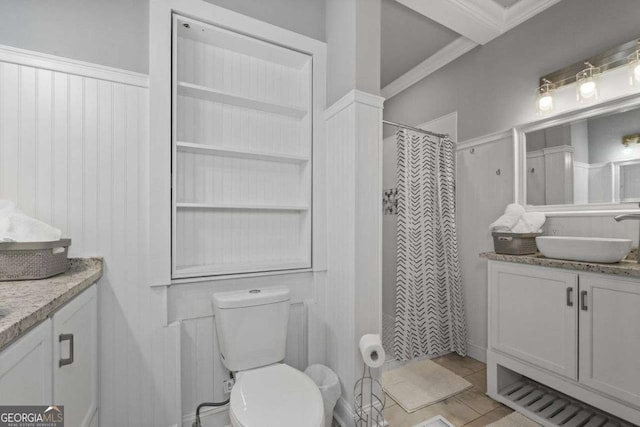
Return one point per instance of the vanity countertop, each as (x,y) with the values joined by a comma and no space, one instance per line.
(625,267)
(25,303)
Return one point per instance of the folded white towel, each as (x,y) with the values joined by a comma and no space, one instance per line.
(511,216)
(530,222)
(18,227)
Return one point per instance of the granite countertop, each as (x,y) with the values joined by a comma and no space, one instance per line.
(25,303)
(626,267)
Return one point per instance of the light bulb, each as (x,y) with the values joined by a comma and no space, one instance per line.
(626,151)
(545,102)
(588,89)
(636,72)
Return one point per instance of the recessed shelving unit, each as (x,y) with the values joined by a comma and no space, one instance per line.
(242,206)
(241,154)
(208,94)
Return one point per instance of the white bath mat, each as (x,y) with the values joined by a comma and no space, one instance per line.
(420,384)
(514,420)
(438,421)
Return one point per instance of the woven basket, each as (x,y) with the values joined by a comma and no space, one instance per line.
(515,243)
(33,260)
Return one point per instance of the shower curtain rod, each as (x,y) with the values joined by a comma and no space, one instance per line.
(399,125)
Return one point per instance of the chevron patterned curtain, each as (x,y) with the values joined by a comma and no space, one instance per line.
(430,316)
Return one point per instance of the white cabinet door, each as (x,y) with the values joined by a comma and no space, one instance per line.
(25,369)
(610,336)
(533,315)
(75,358)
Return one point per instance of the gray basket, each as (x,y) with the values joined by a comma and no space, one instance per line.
(33,260)
(515,243)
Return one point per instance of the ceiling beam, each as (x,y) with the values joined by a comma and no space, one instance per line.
(480,23)
(447,54)
(478,20)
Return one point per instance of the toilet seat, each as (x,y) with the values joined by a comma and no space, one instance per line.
(275,396)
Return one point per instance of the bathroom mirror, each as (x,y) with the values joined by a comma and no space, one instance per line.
(587,159)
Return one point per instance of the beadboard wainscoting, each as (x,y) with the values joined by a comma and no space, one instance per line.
(485,187)
(73,153)
(354,239)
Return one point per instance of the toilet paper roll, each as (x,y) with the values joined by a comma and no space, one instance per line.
(372,351)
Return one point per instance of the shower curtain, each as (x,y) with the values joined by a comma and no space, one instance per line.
(429,302)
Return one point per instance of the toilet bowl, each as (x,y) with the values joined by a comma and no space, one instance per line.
(251,328)
(275,396)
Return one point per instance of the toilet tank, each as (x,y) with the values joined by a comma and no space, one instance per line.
(251,327)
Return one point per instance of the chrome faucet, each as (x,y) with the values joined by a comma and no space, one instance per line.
(637,218)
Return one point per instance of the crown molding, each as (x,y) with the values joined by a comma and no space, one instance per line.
(444,56)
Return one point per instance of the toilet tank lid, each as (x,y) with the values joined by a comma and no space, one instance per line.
(250,297)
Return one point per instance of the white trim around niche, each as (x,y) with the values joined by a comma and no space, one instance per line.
(592,209)
(160,34)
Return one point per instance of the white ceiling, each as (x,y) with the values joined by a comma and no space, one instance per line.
(421,36)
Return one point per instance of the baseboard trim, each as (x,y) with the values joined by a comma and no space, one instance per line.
(477,352)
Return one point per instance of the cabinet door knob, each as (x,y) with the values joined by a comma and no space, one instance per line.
(570,296)
(583,300)
(68,361)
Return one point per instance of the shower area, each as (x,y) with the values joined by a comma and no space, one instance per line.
(422,303)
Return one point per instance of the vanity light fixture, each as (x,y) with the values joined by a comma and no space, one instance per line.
(587,83)
(586,79)
(634,67)
(544,98)
(629,139)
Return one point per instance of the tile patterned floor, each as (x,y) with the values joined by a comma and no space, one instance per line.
(472,408)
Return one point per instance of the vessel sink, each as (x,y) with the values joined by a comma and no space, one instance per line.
(586,249)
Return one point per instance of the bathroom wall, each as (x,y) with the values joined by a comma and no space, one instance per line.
(73,153)
(116,32)
(492,88)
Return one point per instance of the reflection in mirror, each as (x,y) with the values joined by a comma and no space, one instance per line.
(594,160)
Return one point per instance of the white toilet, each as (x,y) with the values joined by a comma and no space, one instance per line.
(252,333)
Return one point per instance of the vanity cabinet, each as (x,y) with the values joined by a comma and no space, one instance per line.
(75,356)
(534,318)
(56,362)
(576,332)
(610,336)
(26,371)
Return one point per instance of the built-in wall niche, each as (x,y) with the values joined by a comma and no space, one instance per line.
(590,158)
(242,165)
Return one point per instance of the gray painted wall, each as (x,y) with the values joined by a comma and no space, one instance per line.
(353,47)
(492,87)
(111,32)
(116,32)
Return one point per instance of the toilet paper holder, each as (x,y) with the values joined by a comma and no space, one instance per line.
(369,400)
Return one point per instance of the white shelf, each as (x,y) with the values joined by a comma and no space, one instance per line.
(237,267)
(243,154)
(208,94)
(242,206)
